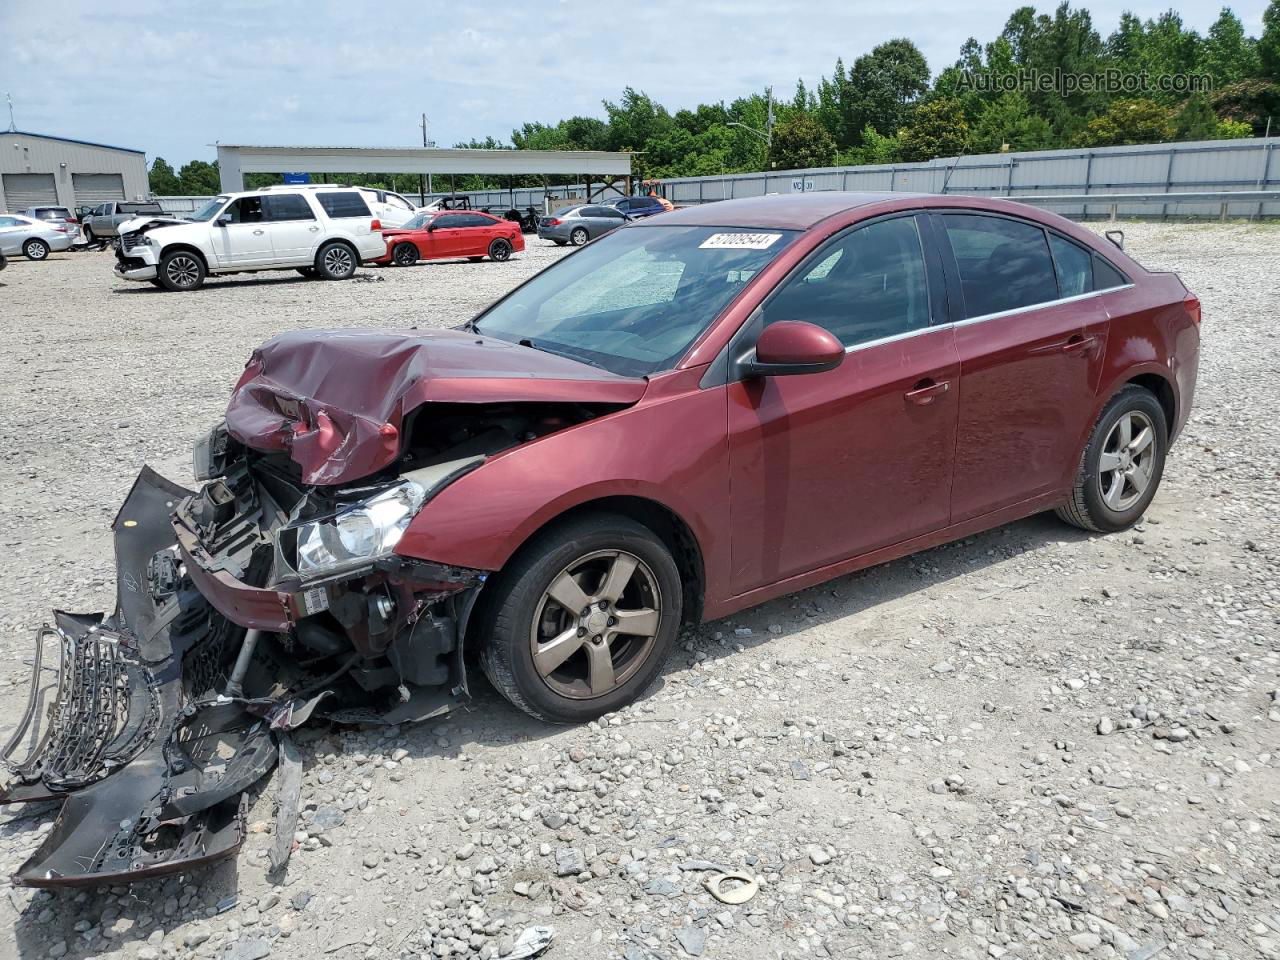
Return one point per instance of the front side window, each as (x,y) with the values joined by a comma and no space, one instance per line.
(635,300)
(287,206)
(866,285)
(343,204)
(246,210)
(1004,264)
(1074,265)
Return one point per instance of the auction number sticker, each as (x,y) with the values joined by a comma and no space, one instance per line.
(740,241)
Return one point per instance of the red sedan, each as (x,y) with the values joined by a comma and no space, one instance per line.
(693,414)
(452,236)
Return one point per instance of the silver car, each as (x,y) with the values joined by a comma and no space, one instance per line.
(580,223)
(53,215)
(34,239)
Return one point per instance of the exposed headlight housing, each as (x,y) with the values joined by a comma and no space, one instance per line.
(360,532)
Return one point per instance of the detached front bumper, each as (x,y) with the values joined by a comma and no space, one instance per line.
(139,262)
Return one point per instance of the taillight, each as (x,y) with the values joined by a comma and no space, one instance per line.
(1192,303)
(375,225)
(73,220)
(552,222)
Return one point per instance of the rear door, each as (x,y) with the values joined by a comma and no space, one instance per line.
(1031,345)
(11,235)
(829,466)
(292,225)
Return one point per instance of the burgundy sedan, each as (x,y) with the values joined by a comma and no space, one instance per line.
(452,236)
(696,413)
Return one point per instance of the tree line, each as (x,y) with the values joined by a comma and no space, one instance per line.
(887,107)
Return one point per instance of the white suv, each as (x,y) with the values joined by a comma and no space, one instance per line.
(387,205)
(319,233)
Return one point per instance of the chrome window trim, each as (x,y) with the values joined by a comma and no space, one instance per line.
(986,316)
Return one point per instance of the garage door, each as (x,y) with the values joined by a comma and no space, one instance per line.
(22,190)
(94,188)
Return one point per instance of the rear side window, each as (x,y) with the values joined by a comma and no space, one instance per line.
(1003,264)
(1074,265)
(1105,276)
(449,221)
(286,206)
(141,208)
(473,220)
(866,285)
(345,204)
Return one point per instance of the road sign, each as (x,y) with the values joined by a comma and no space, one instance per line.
(297,178)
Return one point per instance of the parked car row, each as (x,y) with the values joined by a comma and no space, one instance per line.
(34,238)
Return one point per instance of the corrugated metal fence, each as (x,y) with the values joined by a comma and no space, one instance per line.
(1199,167)
(1210,166)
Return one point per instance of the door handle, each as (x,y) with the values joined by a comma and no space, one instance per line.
(257,233)
(927,390)
(314,229)
(1078,344)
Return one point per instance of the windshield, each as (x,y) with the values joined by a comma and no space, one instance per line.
(634,301)
(208,211)
(418,222)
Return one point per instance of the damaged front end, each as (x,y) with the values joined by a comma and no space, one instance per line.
(272,595)
(151,723)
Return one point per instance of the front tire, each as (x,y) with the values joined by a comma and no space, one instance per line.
(181,270)
(582,620)
(35,249)
(500,250)
(1122,464)
(336,261)
(579,236)
(404,255)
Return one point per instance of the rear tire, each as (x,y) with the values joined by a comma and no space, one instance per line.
(1122,464)
(404,255)
(600,669)
(35,249)
(579,236)
(181,270)
(500,250)
(336,261)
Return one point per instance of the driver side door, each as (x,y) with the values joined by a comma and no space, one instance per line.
(829,466)
(244,239)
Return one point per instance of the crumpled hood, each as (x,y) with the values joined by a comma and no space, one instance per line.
(151,221)
(335,400)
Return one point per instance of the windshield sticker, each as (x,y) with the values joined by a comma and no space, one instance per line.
(739,241)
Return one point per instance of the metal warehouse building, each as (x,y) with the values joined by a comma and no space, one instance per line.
(36,169)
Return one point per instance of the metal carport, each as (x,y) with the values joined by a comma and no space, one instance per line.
(235,160)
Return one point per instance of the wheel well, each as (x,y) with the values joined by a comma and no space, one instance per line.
(175,247)
(1159,386)
(341,241)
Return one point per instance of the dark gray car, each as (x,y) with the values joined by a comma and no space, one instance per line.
(580,223)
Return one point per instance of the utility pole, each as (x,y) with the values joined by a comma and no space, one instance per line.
(768,120)
(422,194)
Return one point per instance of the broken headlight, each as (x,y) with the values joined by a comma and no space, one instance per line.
(360,532)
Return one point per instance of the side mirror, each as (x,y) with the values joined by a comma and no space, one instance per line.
(793,346)
(223,220)
(431,226)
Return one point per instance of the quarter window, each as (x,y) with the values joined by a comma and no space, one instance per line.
(1105,276)
(345,204)
(1004,264)
(1074,265)
(287,206)
(864,286)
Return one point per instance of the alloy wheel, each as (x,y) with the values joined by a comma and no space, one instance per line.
(1128,460)
(337,261)
(183,270)
(596,624)
(405,255)
(36,250)
(500,250)
(579,237)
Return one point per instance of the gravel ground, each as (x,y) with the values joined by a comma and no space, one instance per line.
(1030,743)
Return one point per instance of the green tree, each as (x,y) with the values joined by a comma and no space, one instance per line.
(1228,54)
(1010,120)
(1196,120)
(1269,43)
(800,141)
(634,119)
(1129,121)
(1251,102)
(162,180)
(199,178)
(936,129)
(883,85)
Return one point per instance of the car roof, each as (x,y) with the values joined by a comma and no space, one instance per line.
(783,211)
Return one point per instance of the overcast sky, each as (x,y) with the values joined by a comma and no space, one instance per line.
(171,77)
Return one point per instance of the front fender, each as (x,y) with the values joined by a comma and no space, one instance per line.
(671,450)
